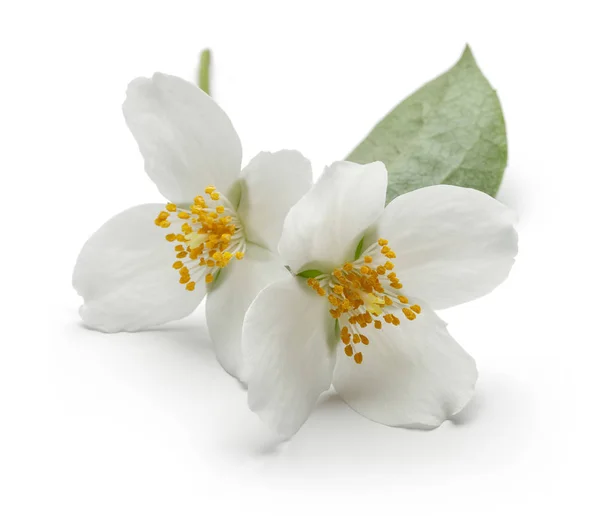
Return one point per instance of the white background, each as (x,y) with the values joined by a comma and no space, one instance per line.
(146,430)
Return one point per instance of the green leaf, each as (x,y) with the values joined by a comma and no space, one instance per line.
(450,131)
(310,273)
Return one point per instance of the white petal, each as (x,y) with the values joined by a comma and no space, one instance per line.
(186,140)
(323,229)
(413,375)
(229,299)
(452,244)
(271,184)
(125,277)
(288,344)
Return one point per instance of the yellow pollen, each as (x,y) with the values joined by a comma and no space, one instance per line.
(362,295)
(409,313)
(205,238)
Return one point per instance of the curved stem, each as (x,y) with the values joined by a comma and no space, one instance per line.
(204,73)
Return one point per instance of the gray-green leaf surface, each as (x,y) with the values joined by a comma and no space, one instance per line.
(450,131)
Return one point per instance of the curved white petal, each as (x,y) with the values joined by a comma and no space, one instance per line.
(229,299)
(271,184)
(288,344)
(414,375)
(186,140)
(452,244)
(125,277)
(323,229)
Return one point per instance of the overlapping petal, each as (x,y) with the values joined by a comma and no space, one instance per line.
(125,277)
(229,298)
(288,345)
(271,184)
(186,139)
(452,244)
(414,375)
(323,229)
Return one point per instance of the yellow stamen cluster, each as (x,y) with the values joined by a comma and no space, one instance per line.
(365,292)
(209,236)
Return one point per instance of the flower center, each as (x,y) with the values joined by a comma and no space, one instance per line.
(365,292)
(206,237)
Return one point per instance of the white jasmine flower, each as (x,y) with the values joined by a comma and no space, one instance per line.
(152,263)
(364,321)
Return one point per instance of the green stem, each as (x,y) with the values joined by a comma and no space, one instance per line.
(204,74)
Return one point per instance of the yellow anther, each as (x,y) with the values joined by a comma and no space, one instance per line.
(171,207)
(364,339)
(181,255)
(199,201)
(179,248)
(338,289)
(183,215)
(416,308)
(220,209)
(214,195)
(209,278)
(348,267)
(382,242)
(389,265)
(385,250)
(320,291)
(177,265)
(377,324)
(364,270)
(226,237)
(356,338)
(210,263)
(163,215)
(390,255)
(409,313)
(402,299)
(190,286)
(358,358)
(239,255)
(209,189)
(368,259)
(171,237)
(387,300)
(348,350)
(381,270)
(165,224)
(184,279)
